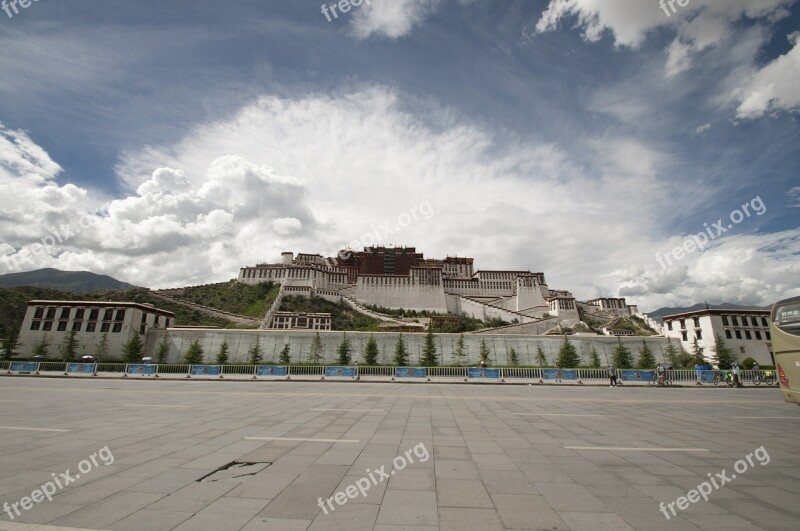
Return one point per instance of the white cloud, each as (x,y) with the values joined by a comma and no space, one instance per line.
(391,18)
(702,129)
(316,172)
(699,25)
(774,87)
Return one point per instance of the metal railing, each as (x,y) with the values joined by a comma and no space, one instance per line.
(382,373)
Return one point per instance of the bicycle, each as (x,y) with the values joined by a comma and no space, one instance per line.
(766,377)
(726,379)
(660,381)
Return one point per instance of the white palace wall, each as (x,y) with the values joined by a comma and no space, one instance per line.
(272,342)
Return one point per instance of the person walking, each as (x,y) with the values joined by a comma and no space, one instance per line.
(698,372)
(612,376)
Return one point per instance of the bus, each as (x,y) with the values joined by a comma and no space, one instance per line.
(785,331)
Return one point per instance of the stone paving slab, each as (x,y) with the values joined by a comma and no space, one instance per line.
(498,457)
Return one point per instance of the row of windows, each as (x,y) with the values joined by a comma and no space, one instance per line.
(734,320)
(46,326)
(754,334)
(748,334)
(727,320)
(80,314)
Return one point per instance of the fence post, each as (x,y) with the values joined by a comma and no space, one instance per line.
(189,372)
(255,372)
(156,373)
(221,370)
(125,374)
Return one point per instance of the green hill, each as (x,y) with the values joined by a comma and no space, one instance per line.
(71,281)
(251,300)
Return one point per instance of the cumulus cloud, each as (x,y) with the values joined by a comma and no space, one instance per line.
(391,18)
(310,173)
(774,87)
(702,129)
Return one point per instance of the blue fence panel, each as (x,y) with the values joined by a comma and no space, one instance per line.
(410,372)
(24,366)
(81,368)
(477,372)
(349,372)
(141,368)
(205,370)
(560,374)
(630,375)
(710,376)
(272,370)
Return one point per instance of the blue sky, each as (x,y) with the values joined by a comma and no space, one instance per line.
(575,137)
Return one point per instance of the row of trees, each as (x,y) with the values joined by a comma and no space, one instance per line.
(568,356)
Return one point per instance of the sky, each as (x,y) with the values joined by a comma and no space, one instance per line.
(622,147)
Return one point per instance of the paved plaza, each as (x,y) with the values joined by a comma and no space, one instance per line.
(482,457)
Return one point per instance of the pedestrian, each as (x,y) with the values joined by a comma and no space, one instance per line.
(483,364)
(698,372)
(612,375)
(735,370)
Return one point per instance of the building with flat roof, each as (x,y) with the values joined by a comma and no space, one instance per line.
(50,321)
(745,331)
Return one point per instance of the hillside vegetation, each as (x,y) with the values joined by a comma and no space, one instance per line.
(251,300)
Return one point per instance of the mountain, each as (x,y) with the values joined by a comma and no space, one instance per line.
(661,312)
(73,281)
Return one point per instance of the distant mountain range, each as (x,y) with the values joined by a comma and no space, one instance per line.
(73,281)
(659,314)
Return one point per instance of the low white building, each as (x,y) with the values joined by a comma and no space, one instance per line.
(51,321)
(746,332)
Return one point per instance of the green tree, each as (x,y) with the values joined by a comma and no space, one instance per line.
(671,354)
(285,358)
(723,355)
(222,354)
(541,359)
(69,347)
(42,347)
(371,352)
(484,352)
(568,357)
(10,341)
(315,355)
(344,351)
(460,351)
(400,352)
(194,356)
(697,353)
(163,351)
(622,356)
(429,357)
(101,349)
(255,354)
(513,360)
(132,349)
(595,358)
(646,359)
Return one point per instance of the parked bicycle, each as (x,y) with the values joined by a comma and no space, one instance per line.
(767,377)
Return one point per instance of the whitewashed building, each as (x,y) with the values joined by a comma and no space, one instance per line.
(51,321)
(746,332)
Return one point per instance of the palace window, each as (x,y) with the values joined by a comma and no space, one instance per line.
(728,334)
(108,315)
(65,313)
(724,320)
(51,313)
(90,327)
(35,325)
(39,313)
(93,315)
(747,334)
(117,328)
(758,334)
(76,326)
(738,334)
(104,327)
(120,315)
(47,326)
(62,325)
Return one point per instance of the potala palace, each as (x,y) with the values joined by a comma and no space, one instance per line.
(402,278)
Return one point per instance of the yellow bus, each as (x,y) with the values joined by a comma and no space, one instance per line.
(785,331)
